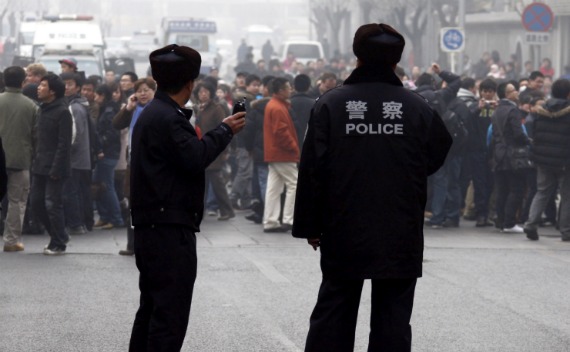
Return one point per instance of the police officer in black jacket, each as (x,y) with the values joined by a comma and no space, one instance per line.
(361,194)
(167,198)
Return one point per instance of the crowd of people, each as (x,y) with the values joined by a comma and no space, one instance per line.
(66,138)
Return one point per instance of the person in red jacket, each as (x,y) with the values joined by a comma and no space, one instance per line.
(281,151)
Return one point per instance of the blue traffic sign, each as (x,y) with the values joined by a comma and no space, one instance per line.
(452,39)
(537,17)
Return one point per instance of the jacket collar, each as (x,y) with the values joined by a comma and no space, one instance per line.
(164,97)
(367,74)
(13,90)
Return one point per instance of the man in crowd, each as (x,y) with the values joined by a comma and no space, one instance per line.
(281,151)
(240,195)
(327,82)
(78,206)
(68,65)
(34,73)
(301,104)
(127,84)
(551,153)
(18,117)
(361,196)
(51,165)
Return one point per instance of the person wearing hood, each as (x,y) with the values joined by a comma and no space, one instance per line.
(361,195)
(52,162)
(550,152)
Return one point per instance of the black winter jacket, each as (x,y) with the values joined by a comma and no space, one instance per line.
(551,134)
(253,131)
(301,104)
(53,146)
(441,97)
(507,132)
(362,185)
(109,137)
(168,164)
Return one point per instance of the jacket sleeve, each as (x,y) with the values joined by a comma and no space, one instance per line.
(80,115)
(519,136)
(122,119)
(453,84)
(310,201)
(3,174)
(438,143)
(194,154)
(62,153)
(249,130)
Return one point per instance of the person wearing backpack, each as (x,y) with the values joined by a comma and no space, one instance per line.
(446,195)
(508,144)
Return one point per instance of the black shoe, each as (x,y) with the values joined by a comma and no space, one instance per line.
(483,222)
(469,217)
(277,229)
(128,252)
(226,217)
(531,234)
(287,227)
(450,223)
(255,218)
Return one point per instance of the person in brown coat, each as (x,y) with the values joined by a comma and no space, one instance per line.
(209,115)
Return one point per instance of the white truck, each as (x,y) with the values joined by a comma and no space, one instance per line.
(195,33)
(80,37)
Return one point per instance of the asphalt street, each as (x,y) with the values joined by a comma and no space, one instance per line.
(481,291)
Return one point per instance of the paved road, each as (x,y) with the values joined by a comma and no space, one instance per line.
(481,291)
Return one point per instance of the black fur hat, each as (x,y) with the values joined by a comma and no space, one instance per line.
(378,44)
(174,64)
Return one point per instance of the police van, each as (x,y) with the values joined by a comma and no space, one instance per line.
(80,37)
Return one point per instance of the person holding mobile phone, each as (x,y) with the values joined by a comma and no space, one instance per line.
(168,164)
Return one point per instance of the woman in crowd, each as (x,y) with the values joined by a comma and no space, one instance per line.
(126,119)
(108,156)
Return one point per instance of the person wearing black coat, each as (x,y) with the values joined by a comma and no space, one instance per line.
(550,152)
(108,156)
(301,104)
(168,163)
(361,195)
(52,162)
(253,136)
(508,134)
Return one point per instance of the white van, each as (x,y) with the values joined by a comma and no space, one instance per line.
(303,50)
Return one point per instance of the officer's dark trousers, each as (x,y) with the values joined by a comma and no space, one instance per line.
(166,259)
(333,321)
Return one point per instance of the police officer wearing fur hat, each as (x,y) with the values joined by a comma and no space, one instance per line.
(361,194)
(167,192)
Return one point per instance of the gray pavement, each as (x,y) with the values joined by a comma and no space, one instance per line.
(481,291)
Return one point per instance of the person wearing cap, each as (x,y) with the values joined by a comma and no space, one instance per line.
(361,195)
(52,162)
(68,65)
(168,163)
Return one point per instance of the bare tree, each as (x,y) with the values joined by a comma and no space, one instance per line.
(5,7)
(331,14)
(411,20)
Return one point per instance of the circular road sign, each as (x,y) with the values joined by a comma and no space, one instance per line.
(537,17)
(452,39)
